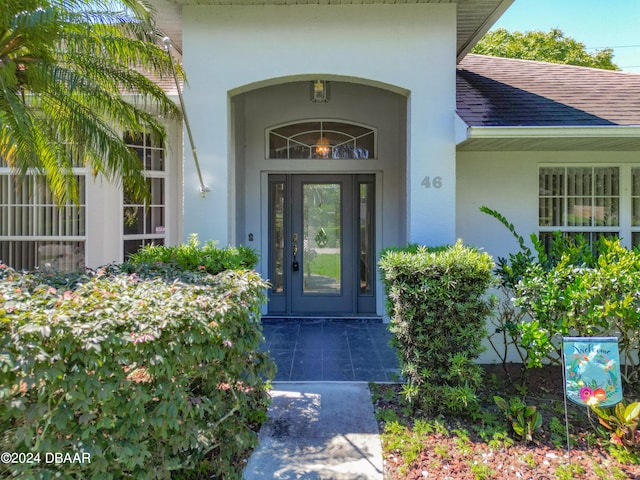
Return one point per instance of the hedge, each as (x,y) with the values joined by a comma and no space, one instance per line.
(437,304)
(149,378)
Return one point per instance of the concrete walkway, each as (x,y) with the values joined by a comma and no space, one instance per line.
(318,431)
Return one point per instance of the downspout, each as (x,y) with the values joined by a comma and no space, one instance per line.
(203,188)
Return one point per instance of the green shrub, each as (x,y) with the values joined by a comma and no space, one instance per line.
(437,306)
(150,378)
(505,337)
(570,288)
(190,256)
(603,300)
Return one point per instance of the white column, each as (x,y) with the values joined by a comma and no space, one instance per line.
(431,167)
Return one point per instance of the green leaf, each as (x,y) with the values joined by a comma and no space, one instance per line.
(518,428)
(127,409)
(632,412)
(501,402)
(536,422)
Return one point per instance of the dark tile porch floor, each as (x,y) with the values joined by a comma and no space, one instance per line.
(331,350)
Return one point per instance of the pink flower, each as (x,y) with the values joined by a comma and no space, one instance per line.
(142,338)
(585,394)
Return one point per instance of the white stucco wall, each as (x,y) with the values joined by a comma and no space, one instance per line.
(503,181)
(232,49)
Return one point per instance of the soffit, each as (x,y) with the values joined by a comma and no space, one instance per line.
(474,19)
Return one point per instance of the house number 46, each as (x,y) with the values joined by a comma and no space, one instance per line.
(428,182)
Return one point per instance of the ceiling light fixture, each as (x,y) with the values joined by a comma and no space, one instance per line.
(319,91)
(323,147)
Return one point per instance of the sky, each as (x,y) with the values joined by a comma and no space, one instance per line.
(596,23)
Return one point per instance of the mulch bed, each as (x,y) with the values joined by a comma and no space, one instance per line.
(447,456)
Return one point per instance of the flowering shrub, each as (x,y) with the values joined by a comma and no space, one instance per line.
(437,304)
(147,378)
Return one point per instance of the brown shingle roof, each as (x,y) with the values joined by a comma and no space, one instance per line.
(493,91)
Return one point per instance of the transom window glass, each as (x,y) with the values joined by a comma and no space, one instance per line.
(144,224)
(322,140)
(582,200)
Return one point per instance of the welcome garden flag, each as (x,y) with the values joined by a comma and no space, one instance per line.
(592,370)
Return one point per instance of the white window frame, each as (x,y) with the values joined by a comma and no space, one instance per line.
(624,229)
(148,238)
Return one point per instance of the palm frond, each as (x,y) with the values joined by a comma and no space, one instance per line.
(65,66)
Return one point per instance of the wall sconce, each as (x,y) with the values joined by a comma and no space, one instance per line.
(319,91)
(323,147)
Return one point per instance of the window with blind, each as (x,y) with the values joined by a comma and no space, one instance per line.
(34,231)
(581,200)
(145,224)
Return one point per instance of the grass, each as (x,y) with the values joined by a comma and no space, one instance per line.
(326,264)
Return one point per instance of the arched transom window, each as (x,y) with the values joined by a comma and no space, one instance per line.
(321,139)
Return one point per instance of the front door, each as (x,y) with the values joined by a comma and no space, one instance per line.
(321,244)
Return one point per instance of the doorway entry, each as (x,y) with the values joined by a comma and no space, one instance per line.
(321,244)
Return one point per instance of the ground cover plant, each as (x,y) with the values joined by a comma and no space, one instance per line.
(152,375)
(417,445)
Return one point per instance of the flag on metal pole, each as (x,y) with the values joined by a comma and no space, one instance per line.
(592,370)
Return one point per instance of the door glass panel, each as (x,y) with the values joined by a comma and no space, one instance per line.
(277,229)
(322,263)
(366,237)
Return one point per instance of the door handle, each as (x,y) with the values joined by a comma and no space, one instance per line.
(295,266)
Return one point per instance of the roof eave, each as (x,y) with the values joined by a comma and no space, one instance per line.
(529,132)
(482,29)
(558,138)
